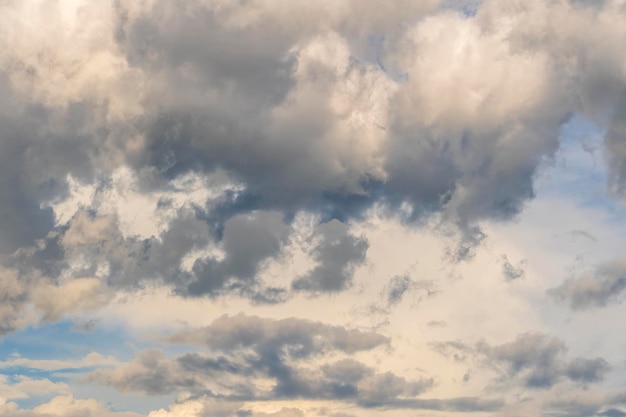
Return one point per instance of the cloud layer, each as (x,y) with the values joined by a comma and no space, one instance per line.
(319,193)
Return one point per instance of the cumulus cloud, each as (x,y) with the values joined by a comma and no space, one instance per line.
(247,241)
(337,254)
(250,349)
(151,144)
(64,406)
(22,387)
(535,360)
(603,286)
(538,360)
(306,117)
(230,332)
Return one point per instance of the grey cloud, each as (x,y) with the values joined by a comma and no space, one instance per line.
(398,286)
(287,109)
(615,148)
(286,163)
(587,370)
(461,404)
(346,371)
(382,389)
(33,171)
(252,348)
(455,350)
(207,377)
(535,354)
(604,286)
(151,373)
(612,412)
(13,295)
(584,234)
(247,241)
(534,360)
(297,337)
(250,73)
(511,272)
(601,404)
(337,254)
(99,240)
(540,362)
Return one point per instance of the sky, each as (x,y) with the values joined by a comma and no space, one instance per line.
(339,208)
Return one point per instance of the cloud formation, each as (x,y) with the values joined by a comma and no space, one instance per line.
(250,349)
(240,155)
(310,117)
(603,286)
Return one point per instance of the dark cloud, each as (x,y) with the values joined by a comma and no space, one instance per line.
(293,111)
(398,286)
(98,240)
(587,370)
(461,404)
(297,337)
(540,362)
(217,377)
(337,253)
(247,241)
(33,171)
(286,100)
(13,295)
(605,404)
(253,348)
(605,285)
(511,272)
(535,360)
(615,147)
(151,373)
(286,157)
(612,412)
(384,389)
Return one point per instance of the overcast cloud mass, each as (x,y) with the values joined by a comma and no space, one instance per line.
(289,208)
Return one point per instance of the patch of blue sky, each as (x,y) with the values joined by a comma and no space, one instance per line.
(33,400)
(578,170)
(118,401)
(468,8)
(56,341)
(577,177)
(62,341)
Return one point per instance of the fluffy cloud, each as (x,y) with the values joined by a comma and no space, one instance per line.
(603,286)
(284,356)
(306,118)
(64,406)
(535,360)
(236,150)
